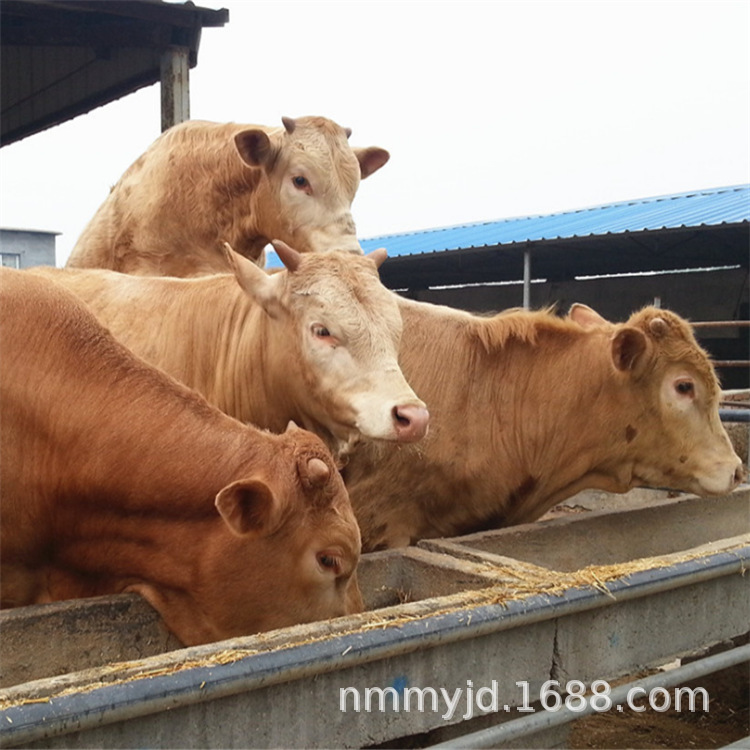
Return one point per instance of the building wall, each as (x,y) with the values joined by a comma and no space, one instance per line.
(23,248)
(706,295)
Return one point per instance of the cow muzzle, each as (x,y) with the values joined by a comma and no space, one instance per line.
(334,239)
(410,423)
(723,479)
(402,420)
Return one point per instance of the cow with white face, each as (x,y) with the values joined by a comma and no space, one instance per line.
(316,343)
(202,183)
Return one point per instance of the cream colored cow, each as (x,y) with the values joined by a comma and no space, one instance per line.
(203,183)
(316,343)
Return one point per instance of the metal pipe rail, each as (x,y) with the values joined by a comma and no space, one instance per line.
(527,725)
(722,324)
(742,744)
(734,415)
(725,324)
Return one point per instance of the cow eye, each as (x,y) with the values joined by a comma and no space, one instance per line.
(300,182)
(685,387)
(321,332)
(329,562)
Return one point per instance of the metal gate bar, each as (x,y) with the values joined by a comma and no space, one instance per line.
(517,728)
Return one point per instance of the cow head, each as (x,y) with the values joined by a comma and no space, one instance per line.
(312,176)
(675,437)
(284,550)
(337,339)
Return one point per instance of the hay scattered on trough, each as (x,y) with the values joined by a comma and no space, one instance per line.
(519,582)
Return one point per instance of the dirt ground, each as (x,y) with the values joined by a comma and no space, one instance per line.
(727,720)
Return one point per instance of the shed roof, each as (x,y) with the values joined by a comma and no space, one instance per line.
(697,229)
(728,205)
(61,58)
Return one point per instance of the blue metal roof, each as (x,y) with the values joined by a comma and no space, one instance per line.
(729,205)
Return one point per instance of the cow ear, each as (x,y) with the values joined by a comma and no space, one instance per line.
(287,255)
(586,317)
(370,159)
(628,348)
(255,282)
(248,507)
(255,148)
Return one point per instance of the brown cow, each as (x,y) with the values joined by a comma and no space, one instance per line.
(201,183)
(316,343)
(528,409)
(116,478)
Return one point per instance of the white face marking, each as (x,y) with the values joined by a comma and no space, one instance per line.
(694,443)
(681,392)
(350,351)
(316,189)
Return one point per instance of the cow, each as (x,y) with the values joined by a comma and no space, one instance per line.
(528,408)
(202,183)
(316,343)
(116,478)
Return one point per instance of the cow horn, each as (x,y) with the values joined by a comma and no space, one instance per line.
(292,426)
(378,256)
(658,327)
(289,124)
(289,257)
(229,255)
(317,472)
(348,132)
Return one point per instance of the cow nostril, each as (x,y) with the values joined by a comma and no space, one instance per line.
(410,422)
(401,420)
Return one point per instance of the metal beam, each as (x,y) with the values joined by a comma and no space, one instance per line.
(512,731)
(526,279)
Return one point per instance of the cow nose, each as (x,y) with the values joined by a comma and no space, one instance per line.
(410,422)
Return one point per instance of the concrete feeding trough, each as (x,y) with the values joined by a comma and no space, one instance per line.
(586,596)
(664,527)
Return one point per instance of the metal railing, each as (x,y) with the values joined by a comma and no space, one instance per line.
(725,324)
(515,730)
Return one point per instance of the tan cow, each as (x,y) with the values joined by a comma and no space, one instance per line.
(202,183)
(316,343)
(116,478)
(528,409)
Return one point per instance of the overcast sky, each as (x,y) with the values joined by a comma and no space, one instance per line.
(489,109)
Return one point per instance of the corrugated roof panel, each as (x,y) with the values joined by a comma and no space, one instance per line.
(728,205)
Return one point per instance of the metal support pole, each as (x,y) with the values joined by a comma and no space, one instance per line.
(175,87)
(526,279)
(517,728)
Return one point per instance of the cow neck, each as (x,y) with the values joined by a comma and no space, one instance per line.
(255,378)
(531,392)
(169,444)
(560,436)
(221,351)
(147,513)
